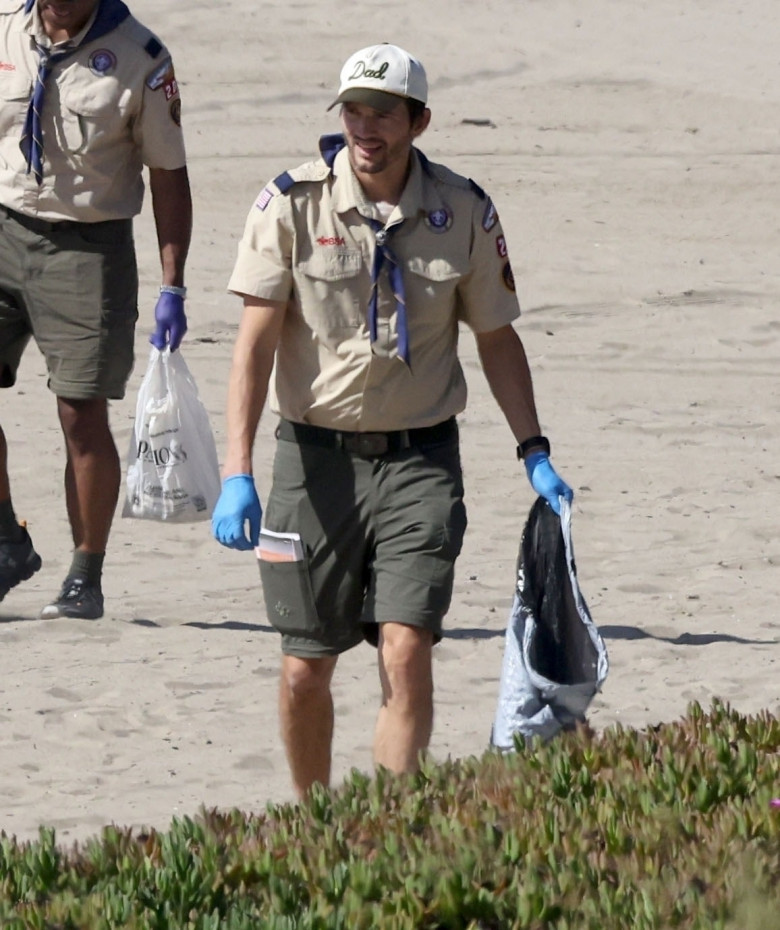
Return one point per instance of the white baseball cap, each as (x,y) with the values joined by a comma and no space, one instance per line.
(379,75)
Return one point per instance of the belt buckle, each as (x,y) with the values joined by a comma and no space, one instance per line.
(367,445)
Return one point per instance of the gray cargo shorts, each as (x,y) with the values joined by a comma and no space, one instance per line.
(380,534)
(73,287)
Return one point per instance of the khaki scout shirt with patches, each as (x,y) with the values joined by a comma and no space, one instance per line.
(110,108)
(313,248)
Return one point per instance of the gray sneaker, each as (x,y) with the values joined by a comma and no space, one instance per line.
(18,562)
(78,599)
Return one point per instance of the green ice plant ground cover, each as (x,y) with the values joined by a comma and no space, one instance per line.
(672,826)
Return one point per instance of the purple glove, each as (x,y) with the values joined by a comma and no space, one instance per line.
(171,321)
(545,480)
(238,504)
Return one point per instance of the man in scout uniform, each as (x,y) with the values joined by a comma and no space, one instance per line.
(88,96)
(356,271)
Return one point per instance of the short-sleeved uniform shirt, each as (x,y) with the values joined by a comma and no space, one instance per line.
(313,247)
(110,108)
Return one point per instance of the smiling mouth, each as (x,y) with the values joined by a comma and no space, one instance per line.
(370,148)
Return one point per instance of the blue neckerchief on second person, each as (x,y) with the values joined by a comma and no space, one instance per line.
(109,15)
(330,146)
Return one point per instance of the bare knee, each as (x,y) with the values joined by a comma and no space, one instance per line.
(405,655)
(304,678)
(84,422)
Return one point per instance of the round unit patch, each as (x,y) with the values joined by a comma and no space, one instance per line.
(102,62)
(439,221)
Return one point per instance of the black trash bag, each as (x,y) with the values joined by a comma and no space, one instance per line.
(555,660)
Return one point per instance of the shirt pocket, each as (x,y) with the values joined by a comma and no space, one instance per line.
(90,116)
(436,270)
(434,279)
(330,285)
(15,94)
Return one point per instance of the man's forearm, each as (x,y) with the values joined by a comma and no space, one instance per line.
(506,368)
(250,373)
(172,208)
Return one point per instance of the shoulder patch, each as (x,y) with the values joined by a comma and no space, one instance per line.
(284,182)
(163,76)
(311,171)
(490,216)
(153,47)
(142,36)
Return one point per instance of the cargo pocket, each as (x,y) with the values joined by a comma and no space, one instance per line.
(289,598)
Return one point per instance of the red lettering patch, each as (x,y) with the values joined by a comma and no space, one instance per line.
(7,66)
(501,246)
(331,240)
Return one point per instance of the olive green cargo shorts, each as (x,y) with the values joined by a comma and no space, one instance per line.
(73,287)
(380,538)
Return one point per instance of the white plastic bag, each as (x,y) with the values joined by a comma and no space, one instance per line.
(172,465)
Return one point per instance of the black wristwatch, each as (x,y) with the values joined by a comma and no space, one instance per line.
(537,443)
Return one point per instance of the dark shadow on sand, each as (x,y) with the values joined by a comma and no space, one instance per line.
(16,618)
(684,639)
(232,625)
(473,633)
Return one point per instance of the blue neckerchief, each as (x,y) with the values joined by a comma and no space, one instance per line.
(109,15)
(330,146)
(383,254)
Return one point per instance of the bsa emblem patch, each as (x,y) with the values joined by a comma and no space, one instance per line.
(439,221)
(266,195)
(501,246)
(509,278)
(102,62)
(490,218)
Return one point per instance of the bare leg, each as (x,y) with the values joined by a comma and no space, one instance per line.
(92,471)
(405,722)
(306,719)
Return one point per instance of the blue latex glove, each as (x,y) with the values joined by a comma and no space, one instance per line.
(238,504)
(546,481)
(170,320)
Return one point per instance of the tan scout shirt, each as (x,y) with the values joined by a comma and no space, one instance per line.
(313,248)
(110,108)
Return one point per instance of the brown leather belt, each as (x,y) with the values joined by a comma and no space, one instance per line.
(366,445)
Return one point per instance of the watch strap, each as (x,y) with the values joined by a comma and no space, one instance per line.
(541,443)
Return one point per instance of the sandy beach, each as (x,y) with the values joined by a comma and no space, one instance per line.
(632,151)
